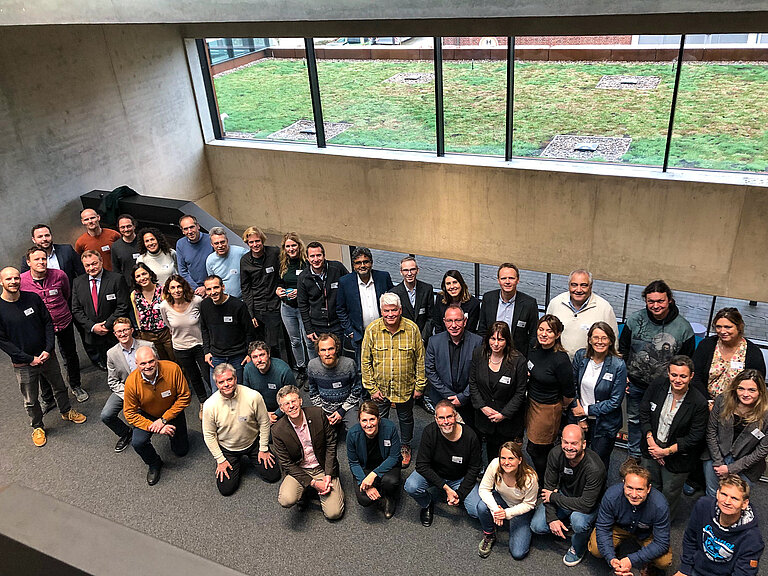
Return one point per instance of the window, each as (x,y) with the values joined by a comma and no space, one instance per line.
(223,49)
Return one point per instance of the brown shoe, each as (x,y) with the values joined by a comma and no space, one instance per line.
(38,437)
(648,570)
(73,416)
(405,453)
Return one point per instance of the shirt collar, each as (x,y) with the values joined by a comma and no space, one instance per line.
(153,381)
(364,284)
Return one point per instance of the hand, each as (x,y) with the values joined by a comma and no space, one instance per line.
(721,470)
(156,426)
(334,418)
(266,458)
(272,417)
(378,396)
(583,425)
(368,481)
(499,516)
(168,430)
(454,400)
(255,322)
(312,337)
(418,393)
(100,329)
(209,359)
(624,568)
(245,360)
(280,292)
(545,494)
(655,451)
(498,417)
(558,528)
(291,294)
(451,496)
(200,291)
(221,470)
(324,487)
(372,493)
(37,360)
(488,411)
(578,410)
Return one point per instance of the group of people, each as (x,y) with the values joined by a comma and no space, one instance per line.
(211,317)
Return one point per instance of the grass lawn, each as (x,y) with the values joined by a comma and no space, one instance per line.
(721,120)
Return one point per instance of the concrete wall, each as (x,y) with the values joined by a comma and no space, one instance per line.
(93,107)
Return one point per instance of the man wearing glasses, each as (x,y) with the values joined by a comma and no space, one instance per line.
(417,297)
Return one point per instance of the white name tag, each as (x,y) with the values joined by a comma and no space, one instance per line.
(466,315)
(53,292)
(336,384)
(568,471)
(653,407)
(735,365)
(585,327)
(298,272)
(387,442)
(156,306)
(243,418)
(232,272)
(136,255)
(334,285)
(228,319)
(422,310)
(505,380)
(758,434)
(530,365)
(111,297)
(105,248)
(269,269)
(521,323)
(165,394)
(29,311)
(272,386)
(608,377)
(457,459)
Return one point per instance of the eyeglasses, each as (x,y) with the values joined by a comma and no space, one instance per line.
(600,339)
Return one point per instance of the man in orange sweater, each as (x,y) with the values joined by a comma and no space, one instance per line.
(155,396)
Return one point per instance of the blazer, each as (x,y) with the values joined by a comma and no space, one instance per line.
(438,367)
(69,261)
(421,312)
(357,451)
(702,361)
(609,393)
(748,450)
(507,397)
(290,452)
(524,318)
(113,302)
(117,366)
(687,429)
(348,306)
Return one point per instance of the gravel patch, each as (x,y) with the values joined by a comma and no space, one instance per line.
(629,82)
(412,78)
(589,148)
(305,130)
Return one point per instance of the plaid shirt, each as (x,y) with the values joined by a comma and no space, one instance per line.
(393,363)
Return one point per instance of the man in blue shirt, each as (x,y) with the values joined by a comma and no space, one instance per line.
(224,261)
(192,250)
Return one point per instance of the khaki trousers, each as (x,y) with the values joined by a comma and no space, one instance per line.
(332,503)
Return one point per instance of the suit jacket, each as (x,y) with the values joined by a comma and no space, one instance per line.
(609,393)
(290,452)
(112,302)
(748,450)
(69,261)
(438,367)
(524,318)
(507,397)
(117,366)
(348,306)
(421,312)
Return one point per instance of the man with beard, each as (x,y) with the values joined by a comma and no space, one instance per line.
(334,384)
(267,376)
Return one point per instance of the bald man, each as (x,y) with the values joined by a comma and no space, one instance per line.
(95,237)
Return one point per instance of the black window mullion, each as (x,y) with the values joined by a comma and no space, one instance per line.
(439,110)
(673,107)
(510,96)
(314,91)
(210,95)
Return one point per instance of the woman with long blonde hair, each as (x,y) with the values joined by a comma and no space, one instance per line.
(293,261)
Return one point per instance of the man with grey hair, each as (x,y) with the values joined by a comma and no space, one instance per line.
(578,309)
(192,251)
(392,363)
(224,261)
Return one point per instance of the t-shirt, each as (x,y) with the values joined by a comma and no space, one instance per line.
(374,458)
(227,268)
(184,326)
(101,244)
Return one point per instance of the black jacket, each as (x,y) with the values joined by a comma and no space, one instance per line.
(259,279)
(524,318)
(471,310)
(421,312)
(69,262)
(702,361)
(317,299)
(113,302)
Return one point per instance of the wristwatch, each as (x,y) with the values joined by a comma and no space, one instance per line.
(163,420)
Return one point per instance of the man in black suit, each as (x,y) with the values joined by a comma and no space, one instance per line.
(517,309)
(60,256)
(98,298)
(417,297)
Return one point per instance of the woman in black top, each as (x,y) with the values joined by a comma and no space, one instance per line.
(293,261)
(455,291)
(497,382)
(550,390)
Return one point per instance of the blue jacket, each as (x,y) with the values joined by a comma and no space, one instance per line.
(357,453)
(438,367)
(348,307)
(651,518)
(609,392)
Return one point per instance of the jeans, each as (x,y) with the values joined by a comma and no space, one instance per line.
(669,483)
(142,441)
(404,415)
(110,415)
(28,378)
(519,526)
(227,486)
(601,445)
(388,486)
(192,362)
(296,333)
(234,360)
(634,431)
(418,488)
(581,525)
(713,480)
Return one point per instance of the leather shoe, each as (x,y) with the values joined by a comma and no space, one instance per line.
(153,476)
(427,514)
(100,365)
(123,442)
(389,508)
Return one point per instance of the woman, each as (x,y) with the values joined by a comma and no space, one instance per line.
(181,313)
(737,433)
(155,252)
(550,390)
(293,261)
(455,291)
(497,381)
(600,376)
(373,451)
(508,491)
(146,298)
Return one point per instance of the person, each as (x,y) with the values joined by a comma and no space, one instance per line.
(60,256)
(673,421)
(507,304)
(27,336)
(737,431)
(156,253)
(96,238)
(373,452)
(393,366)
(154,399)
(571,490)
(192,250)
(121,361)
(498,379)
(259,277)
(650,337)
(507,492)
(633,511)
(126,251)
(453,290)
(293,261)
(578,309)
(723,536)
(334,383)
(146,298)
(416,297)
(600,379)
(180,310)
(267,376)
(225,326)
(448,361)
(550,390)
(449,459)
(224,261)
(305,445)
(98,298)
(236,424)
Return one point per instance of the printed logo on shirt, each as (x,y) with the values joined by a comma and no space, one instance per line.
(653,406)
(530,365)
(715,548)
(387,442)
(608,376)
(568,471)
(505,380)
(336,385)
(228,319)
(53,292)
(334,285)
(165,393)
(521,323)
(269,269)
(29,311)
(105,248)
(111,297)
(457,459)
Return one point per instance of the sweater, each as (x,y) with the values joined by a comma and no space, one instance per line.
(278,375)
(55,292)
(26,328)
(357,453)
(190,259)
(167,398)
(551,376)
(225,328)
(439,459)
(579,488)
(162,264)
(227,268)
(576,325)
(235,423)
(124,257)
(101,244)
(184,326)
(519,501)
(334,389)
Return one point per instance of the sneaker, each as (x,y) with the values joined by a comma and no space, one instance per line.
(405,453)
(47,406)
(80,394)
(688,490)
(73,416)
(38,437)
(486,544)
(571,558)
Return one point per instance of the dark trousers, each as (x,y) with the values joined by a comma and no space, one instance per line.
(66,340)
(388,485)
(404,415)
(601,445)
(142,441)
(538,454)
(270,330)
(28,378)
(227,486)
(92,353)
(493,443)
(192,362)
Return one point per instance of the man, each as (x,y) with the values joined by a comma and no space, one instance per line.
(53,288)
(192,251)
(60,256)
(236,424)
(633,511)
(416,297)
(517,309)
(673,421)
(393,366)
(449,458)
(722,537)
(305,444)
(316,295)
(121,361)
(95,237)
(125,251)
(649,339)
(334,384)
(578,309)
(448,360)
(267,375)
(259,275)
(571,490)
(27,336)
(155,396)
(226,327)
(224,261)
(98,298)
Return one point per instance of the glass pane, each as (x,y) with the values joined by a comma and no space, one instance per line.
(613,292)
(431,270)
(755,316)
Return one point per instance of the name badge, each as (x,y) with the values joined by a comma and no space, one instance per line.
(530,365)
(735,365)
(228,319)
(29,311)
(505,380)
(521,323)
(156,306)
(111,297)
(608,377)
(568,471)
(422,310)
(243,418)
(232,272)
(387,442)
(105,248)
(53,292)
(272,386)
(466,315)
(457,459)
(757,433)
(269,269)
(334,285)
(585,327)
(298,272)
(653,406)
(336,384)
(135,255)
(165,394)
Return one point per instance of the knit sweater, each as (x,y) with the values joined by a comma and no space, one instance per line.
(26,328)
(334,389)
(235,423)
(167,398)
(579,488)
